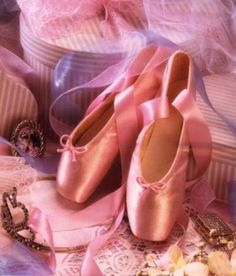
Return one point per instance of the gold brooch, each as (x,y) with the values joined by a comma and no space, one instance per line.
(18,230)
(28,136)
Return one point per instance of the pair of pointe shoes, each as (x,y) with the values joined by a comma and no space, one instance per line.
(158,165)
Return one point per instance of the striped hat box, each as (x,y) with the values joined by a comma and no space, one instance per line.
(221,92)
(17,102)
(42,57)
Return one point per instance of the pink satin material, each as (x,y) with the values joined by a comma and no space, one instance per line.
(153,208)
(81,171)
(42,228)
(68,146)
(136,68)
(145,214)
(201,194)
(198,131)
(156,108)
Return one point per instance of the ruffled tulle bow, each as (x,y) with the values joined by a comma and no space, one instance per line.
(55,19)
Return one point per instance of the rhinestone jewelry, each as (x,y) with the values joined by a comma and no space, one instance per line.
(28,136)
(14,229)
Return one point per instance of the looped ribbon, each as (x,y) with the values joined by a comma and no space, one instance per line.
(67,145)
(200,140)
(200,193)
(156,187)
(153,109)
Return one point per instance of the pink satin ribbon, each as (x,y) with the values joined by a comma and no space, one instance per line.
(199,135)
(153,109)
(200,141)
(156,187)
(42,227)
(67,145)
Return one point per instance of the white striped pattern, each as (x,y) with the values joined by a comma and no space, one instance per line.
(17,103)
(42,57)
(90,36)
(41,85)
(222,169)
(221,90)
(170,15)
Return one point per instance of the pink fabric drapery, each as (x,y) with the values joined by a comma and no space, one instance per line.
(55,19)
(205,28)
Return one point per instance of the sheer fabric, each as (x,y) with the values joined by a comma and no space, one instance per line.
(205,28)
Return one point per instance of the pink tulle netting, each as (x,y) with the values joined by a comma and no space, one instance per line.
(14,172)
(55,19)
(205,28)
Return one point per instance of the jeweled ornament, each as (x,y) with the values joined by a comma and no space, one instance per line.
(28,136)
(18,230)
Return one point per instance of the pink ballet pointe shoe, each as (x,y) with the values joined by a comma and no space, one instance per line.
(158,171)
(90,149)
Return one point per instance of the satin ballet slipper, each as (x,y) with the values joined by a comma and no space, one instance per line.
(157,177)
(90,149)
